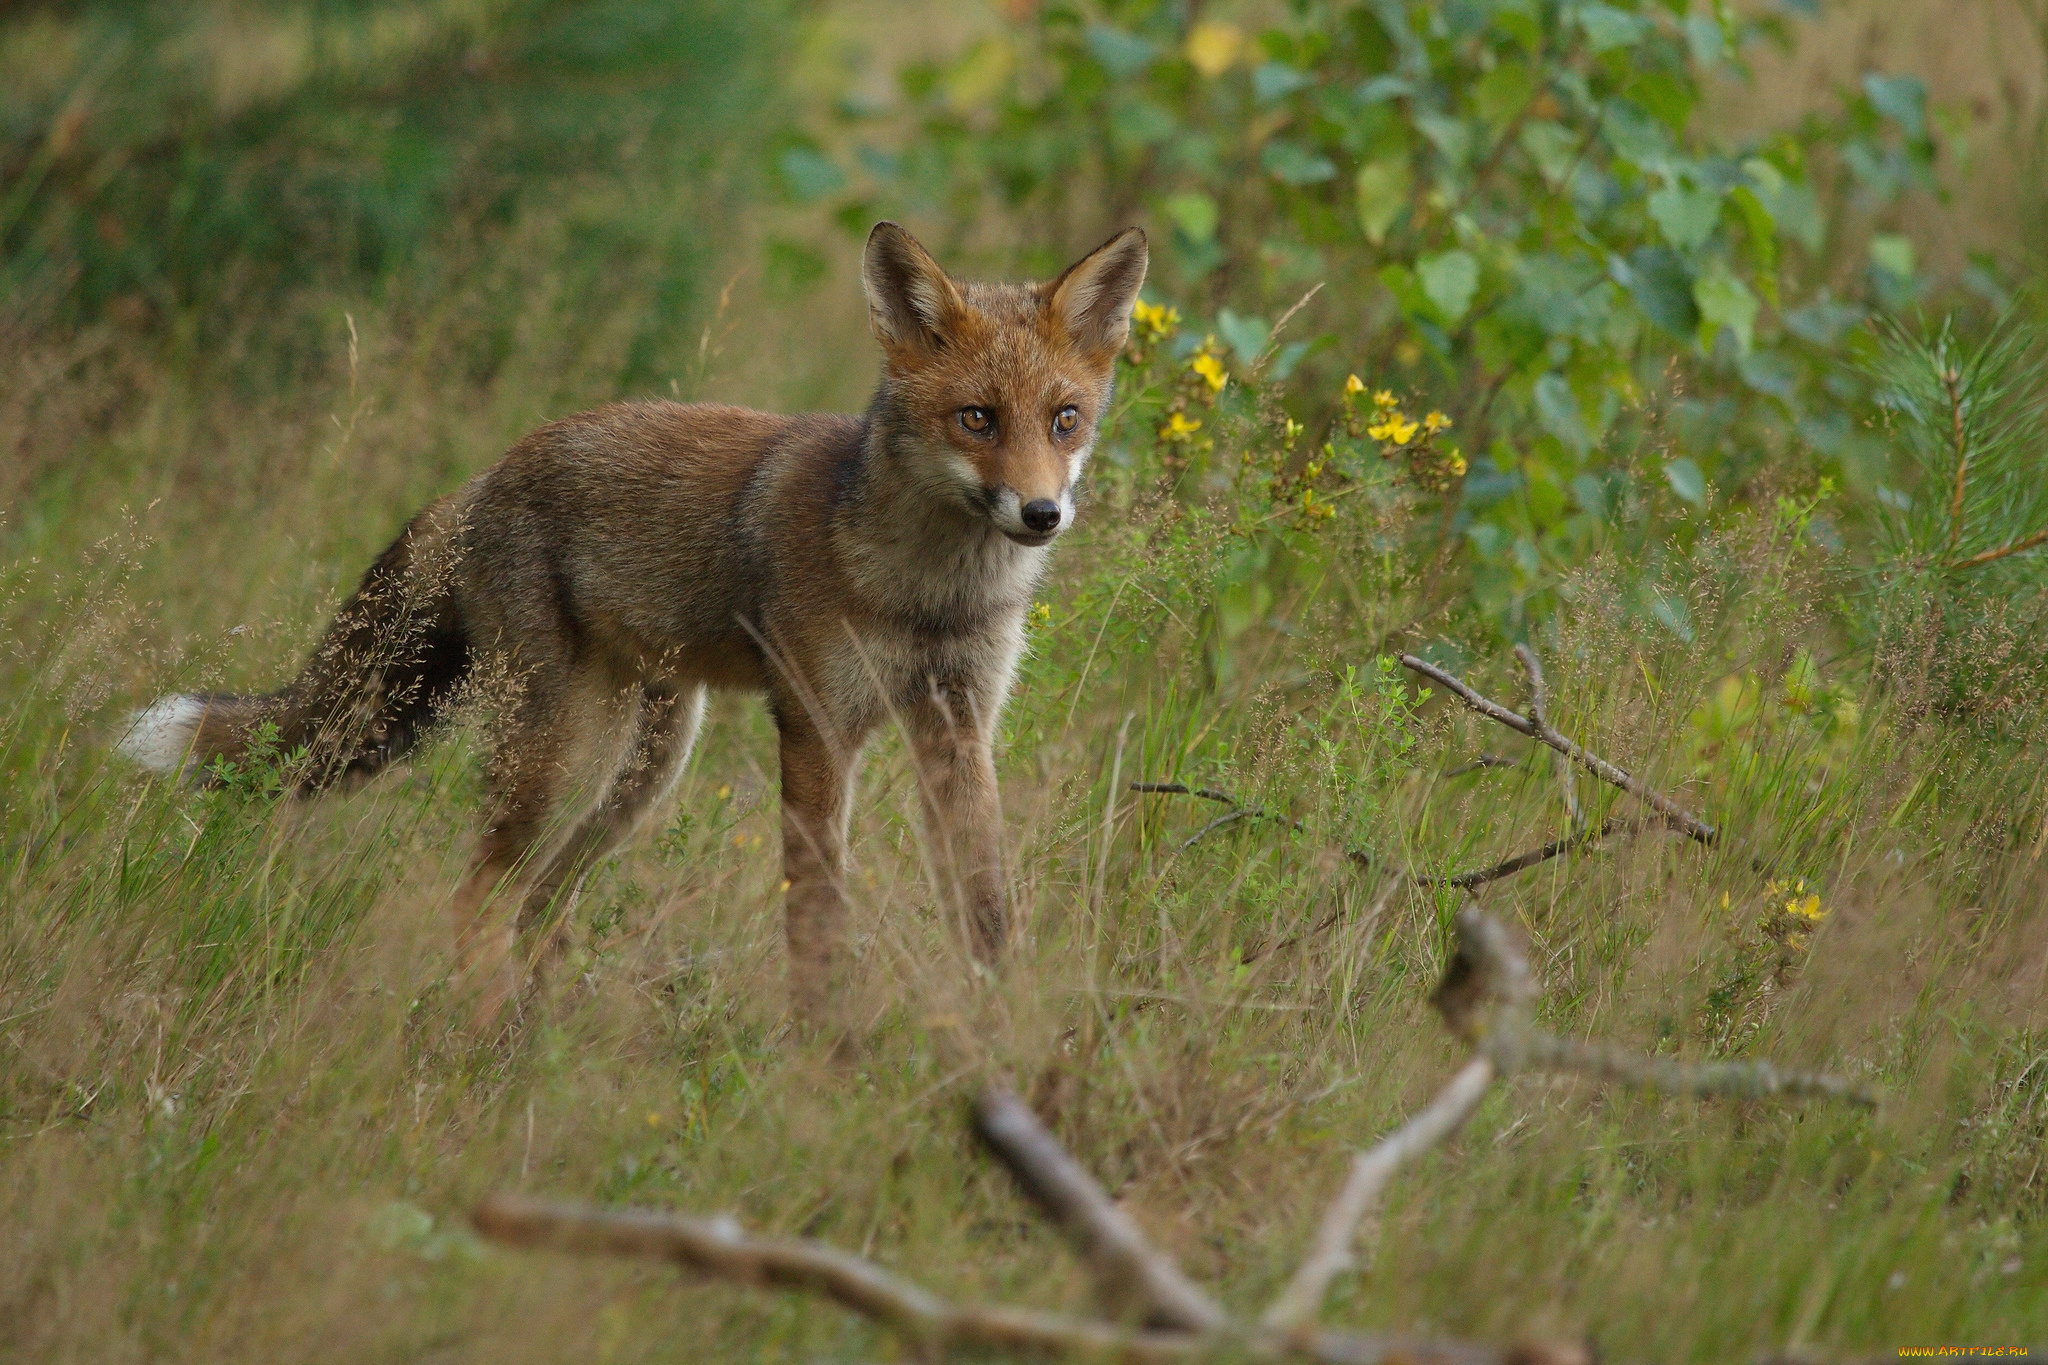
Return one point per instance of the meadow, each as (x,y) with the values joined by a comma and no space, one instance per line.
(242,1119)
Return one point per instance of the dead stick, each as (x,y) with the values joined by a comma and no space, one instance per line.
(718,1249)
(1330,1255)
(1132,1275)
(1508,867)
(1543,733)
(1742,1080)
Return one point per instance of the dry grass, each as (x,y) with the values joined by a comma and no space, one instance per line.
(238,1121)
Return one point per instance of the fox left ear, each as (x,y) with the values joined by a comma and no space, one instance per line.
(1093,299)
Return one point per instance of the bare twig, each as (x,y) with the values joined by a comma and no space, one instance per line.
(1742,1080)
(1239,810)
(1508,867)
(1483,761)
(1183,789)
(1544,733)
(1539,708)
(1131,1275)
(1330,1254)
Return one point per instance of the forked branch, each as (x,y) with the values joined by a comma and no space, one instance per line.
(1487,997)
(1540,729)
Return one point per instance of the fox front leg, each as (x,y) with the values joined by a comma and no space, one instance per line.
(817,792)
(952,738)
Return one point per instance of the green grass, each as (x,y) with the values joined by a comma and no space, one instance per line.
(240,1121)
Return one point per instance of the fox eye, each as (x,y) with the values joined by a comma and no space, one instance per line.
(977,420)
(1066,419)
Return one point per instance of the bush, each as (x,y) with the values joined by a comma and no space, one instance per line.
(1512,207)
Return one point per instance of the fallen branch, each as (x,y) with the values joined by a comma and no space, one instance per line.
(1543,732)
(1487,997)
(1330,1254)
(1131,1276)
(717,1248)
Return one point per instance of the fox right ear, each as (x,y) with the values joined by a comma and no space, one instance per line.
(911,303)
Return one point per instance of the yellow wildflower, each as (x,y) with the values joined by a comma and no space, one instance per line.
(1155,318)
(1457,465)
(1353,386)
(1213,48)
(1434,421)
(1211,369)
(1393,428)
(1383,399)
(1042,613)
(1179,427)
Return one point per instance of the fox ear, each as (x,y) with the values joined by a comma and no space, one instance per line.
(1093,299)
(911,303)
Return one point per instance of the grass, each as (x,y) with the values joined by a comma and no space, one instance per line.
(239,1121)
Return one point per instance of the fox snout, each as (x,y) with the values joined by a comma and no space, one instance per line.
(1032,519)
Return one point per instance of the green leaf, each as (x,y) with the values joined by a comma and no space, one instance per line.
(1557,407)
(1383,189)
(1194,213)
(1244,334)
(1449,279)
(1662,288)
(1703,35)
(1121,54)
(1292,164)
(1685,214)
(1892,253)
(1725,301)
(1503,92)
(1277,80)
(1452,137)
(1608,28)
(1553,147)
(1687,481)
(1902,99)
(1762,232)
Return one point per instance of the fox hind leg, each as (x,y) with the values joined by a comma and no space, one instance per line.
(530,782)
(665,726)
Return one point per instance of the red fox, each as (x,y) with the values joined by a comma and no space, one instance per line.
(617,564)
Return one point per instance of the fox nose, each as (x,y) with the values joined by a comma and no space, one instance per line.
(1040,515)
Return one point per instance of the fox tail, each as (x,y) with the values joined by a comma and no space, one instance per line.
(394,653)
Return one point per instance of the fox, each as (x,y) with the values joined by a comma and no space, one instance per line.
(619,564)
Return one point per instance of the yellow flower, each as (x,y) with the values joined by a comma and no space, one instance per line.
(1042,613)
(1155,318)
(1383,399)
(1211,369)
(1179,427)
(1353,386)
(1213,49)
(1807,909)
(1394,429)
(1458,465)
(1434,421)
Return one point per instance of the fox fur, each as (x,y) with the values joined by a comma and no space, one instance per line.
(619,563)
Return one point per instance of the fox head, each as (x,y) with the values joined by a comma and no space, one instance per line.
(993,392)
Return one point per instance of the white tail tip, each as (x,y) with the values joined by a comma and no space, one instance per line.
(160,736)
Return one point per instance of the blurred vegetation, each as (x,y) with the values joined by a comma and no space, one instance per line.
(1514,213)
(191,168)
